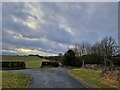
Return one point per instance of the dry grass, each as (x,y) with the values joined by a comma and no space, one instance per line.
(92,77)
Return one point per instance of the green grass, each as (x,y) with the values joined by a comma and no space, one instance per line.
(92,77)
(19,80)
(0,79)
(14,80)
(33,62)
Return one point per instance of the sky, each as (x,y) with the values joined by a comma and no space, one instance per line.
(49,28)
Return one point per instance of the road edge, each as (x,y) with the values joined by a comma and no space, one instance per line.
(84,82)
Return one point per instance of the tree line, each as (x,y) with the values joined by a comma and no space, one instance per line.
(102,52)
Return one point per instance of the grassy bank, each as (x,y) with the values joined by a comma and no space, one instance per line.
(33,62)
(14,80)
(0,79)
(91,77)
(19,80)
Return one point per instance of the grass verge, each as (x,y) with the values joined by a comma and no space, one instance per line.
(91,77)
(14,80)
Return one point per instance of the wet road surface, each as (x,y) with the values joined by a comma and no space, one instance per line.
(53,78)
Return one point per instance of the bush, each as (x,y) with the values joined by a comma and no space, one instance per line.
(51,64)
(13,65)
(116,60)
(69,58)
(92,59)
(78,62)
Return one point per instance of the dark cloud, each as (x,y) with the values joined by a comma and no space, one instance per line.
(49,28)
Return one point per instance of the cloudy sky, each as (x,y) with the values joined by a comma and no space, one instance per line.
(48,28)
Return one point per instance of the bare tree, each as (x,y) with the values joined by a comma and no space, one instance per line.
(76,48)
(88,47)
(108,46)
(96,49)
(85,48)
(108,49)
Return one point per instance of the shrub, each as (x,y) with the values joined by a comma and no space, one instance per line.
(116,60)
(51,64)
(69,58)
(92,59)
(13,65)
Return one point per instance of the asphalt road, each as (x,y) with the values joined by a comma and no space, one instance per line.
(53,78)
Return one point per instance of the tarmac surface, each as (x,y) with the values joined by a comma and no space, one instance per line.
(53,78)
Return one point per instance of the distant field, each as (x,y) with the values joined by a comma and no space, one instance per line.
(30,61)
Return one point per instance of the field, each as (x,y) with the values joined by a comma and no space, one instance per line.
(92,77)
(14,80)
(32,62)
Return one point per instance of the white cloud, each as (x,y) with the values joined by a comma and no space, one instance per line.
(24,50)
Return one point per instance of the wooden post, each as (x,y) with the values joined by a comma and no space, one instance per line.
(83,63)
